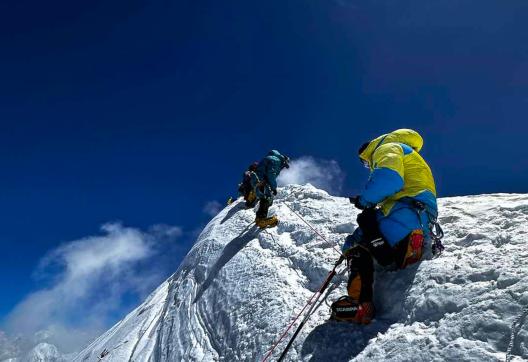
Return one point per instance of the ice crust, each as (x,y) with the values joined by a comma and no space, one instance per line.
(239,287)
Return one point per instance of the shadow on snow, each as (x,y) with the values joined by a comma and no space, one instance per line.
(236,208)
(229,251)
(342,341)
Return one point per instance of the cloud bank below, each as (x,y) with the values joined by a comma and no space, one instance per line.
(90,282)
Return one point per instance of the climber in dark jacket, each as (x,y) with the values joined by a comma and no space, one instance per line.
(265,185)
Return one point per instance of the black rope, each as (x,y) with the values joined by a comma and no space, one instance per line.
(516,326)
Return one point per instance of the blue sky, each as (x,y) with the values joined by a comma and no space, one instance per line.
(144,111)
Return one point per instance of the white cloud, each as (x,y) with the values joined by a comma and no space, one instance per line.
(212,208)
(323,174)
(163,231)
(90,279)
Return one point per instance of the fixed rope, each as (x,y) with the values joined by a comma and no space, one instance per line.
(312,308)
(313,229)
(276,343)
(516,326)
(311,303)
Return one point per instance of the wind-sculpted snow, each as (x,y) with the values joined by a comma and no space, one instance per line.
(239,287)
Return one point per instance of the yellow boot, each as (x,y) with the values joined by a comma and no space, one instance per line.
(266,222)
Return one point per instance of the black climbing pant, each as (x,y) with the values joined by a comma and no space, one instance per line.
(264,205)
(372,246)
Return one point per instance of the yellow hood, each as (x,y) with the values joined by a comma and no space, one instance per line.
(406,136)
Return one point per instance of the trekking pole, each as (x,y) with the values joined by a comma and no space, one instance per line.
(320,292)
(316,295)
(275,344)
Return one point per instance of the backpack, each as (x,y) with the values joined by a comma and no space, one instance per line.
(245,186)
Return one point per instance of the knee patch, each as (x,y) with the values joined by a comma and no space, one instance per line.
(412,248)
(354,287)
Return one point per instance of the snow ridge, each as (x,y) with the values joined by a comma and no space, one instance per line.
(239,286)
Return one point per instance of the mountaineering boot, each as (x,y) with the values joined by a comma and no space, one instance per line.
(266,222)
(346,309)
(365,313)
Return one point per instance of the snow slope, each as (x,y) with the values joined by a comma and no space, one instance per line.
(238,287)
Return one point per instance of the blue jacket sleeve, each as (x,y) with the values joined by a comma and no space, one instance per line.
(273,167)
(382,183)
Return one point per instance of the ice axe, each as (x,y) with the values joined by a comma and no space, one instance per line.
(318,294)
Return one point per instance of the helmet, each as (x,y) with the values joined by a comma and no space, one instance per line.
(362,148)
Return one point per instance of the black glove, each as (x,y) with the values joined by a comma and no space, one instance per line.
(286,163)
(356,201)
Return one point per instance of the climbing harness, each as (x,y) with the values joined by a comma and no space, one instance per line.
(437,236)
(435,229)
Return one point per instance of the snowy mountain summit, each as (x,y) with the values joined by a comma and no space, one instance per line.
(239,287)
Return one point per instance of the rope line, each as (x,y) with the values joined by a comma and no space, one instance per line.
(311,302)
(313,229)
(275,344)
(311,309)
(516,326)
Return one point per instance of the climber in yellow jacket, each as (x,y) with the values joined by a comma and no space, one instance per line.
(399,206)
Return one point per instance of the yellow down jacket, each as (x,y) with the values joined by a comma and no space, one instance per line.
(397,171)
